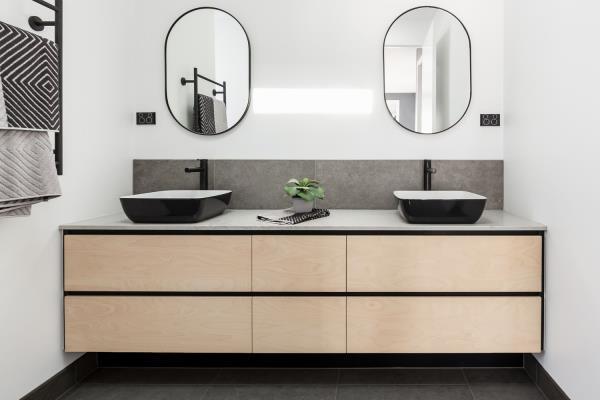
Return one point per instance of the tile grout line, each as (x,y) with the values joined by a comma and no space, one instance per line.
(337,383)
(468,383)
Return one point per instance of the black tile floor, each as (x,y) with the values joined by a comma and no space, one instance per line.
(306,384)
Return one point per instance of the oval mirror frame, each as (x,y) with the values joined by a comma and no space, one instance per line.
(468,104)
(166,66)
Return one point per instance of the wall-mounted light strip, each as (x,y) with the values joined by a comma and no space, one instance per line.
(312,101)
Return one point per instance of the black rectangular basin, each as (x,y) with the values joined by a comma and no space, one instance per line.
(175,206)
(440,207)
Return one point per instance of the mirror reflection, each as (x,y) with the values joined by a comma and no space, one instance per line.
(427,67)
(207,72)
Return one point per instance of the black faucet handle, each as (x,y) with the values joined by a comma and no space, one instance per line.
(192,170)
(203,170)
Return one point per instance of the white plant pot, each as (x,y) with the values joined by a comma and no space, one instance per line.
(302,206)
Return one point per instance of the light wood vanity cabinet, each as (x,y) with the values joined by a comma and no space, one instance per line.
(292,263)
(444,263)
(299,324)
(157,263)
(158,324)
(303,293)
(444,324)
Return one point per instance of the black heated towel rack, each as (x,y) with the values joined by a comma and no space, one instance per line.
(223,86)
(38,24)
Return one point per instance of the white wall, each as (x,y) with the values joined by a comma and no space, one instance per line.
(317,44)
(552,170)
(97,170)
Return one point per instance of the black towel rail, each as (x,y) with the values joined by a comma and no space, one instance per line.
(215,92)
(37,24)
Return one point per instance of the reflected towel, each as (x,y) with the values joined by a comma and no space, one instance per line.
(27,171)
(209,115)
(220,116)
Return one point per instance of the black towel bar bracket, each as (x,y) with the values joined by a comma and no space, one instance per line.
(38,24)
(215,92)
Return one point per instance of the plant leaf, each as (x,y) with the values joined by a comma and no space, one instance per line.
(294,182)
(308,196)
(318,192)
(291,190)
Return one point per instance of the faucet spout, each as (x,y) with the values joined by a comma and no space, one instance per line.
(428,171)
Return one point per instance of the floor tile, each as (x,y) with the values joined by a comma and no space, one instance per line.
(506,391)
(496,375)
(153,375)
(402,376)
(137,392)
(277,376)
(549,387)
(398,392)
(502,384)
(91,392)
(271,392)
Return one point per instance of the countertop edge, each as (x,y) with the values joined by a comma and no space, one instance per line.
(385,221)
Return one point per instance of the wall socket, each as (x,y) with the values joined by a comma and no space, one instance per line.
(145,118)
(489,120)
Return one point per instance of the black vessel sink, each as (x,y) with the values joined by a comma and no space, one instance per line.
(175,206)
(441,207)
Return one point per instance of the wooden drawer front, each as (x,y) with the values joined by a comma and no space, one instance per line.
(299,324)
(299,263)
(444,263)
(444,324)
(157,263)
(158,324)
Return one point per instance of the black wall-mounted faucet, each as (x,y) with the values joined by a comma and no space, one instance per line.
(428,171)
(203,171)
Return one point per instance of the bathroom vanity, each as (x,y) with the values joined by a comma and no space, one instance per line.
(359,281)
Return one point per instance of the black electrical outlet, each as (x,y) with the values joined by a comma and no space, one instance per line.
(489,119)
(146,118)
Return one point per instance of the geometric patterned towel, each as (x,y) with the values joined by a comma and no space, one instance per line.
(27,171)
(29,80)
(204,115)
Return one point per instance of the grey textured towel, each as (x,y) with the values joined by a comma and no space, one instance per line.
(27,171)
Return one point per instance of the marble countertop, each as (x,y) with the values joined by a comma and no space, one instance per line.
(340,220)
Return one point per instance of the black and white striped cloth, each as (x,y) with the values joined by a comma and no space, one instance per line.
(29,80)
(204,115)
(297,218)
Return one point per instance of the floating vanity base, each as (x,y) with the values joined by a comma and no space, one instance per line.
(303,292)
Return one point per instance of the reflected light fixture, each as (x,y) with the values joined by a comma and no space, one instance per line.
(312,101)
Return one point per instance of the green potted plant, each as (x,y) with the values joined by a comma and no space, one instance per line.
(304,192)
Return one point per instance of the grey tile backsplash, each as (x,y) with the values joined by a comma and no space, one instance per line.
(258,184)
(367,184)
(478,176)
(349,184)
(154,175)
